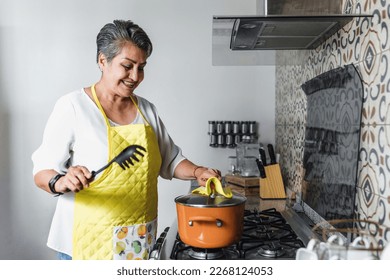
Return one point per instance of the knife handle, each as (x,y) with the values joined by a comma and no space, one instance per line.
(271,153)
(262,156)
(261,168)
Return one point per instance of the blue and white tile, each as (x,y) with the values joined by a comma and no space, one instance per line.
(380,23)
(375,211)
(374,155)
(367,52)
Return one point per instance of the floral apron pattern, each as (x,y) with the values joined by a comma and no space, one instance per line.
(134,242)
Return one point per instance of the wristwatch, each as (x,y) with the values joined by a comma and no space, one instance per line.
(53,181)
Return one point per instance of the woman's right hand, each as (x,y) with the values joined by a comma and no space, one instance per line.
(76,179)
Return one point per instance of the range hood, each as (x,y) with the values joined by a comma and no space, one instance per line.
(279,25)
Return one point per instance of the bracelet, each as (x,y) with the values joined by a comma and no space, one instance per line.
(52,183)
(196,168)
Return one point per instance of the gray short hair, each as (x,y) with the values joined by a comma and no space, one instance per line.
(112,36)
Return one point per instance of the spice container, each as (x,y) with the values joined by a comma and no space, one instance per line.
(230,140)
(236,127)
(244,127)
(252,127)
(231,133)
(213,140)
(221,140)
(220,127)
(212,127)
(228,127)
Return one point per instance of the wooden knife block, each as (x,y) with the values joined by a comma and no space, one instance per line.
(272,186)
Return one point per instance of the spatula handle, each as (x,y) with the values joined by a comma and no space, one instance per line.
(94,173)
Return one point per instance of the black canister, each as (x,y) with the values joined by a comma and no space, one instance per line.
(236,127)
(244,127)
(228,127)
(252,127)
(212,127)
(213,140)
(221,140)
(220,127)
(230,140)
(237,139)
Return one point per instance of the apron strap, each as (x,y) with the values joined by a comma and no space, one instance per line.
(99,105)
(104,114)
(140,112)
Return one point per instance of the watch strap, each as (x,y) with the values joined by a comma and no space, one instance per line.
(53,181)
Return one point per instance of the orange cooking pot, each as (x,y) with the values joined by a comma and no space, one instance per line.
(207,222)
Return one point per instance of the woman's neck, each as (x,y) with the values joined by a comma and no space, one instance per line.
(119,109)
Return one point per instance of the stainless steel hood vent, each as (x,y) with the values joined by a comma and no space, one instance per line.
(282,32)
(279,25)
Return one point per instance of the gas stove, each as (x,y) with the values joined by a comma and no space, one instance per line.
(266,236)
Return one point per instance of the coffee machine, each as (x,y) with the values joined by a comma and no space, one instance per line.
(246,154)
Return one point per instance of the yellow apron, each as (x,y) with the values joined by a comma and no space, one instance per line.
(116,217)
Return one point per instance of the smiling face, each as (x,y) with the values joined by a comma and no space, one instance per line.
(122,75)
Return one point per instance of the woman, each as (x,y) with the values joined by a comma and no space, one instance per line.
(112,216)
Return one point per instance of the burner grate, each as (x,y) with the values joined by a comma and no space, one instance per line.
(206,254)
(272,252)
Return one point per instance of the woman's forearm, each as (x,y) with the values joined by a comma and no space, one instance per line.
(43,177)
(186,170)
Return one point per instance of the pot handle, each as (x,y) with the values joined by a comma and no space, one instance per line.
(191,221)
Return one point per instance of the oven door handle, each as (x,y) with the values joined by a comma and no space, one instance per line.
(200,219)
(156,250)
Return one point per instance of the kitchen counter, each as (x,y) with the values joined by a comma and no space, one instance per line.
(255,202)
(253,198)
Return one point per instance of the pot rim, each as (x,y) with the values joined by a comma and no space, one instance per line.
(239,199)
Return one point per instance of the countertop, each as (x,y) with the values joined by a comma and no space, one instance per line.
(255,202)
(253,199)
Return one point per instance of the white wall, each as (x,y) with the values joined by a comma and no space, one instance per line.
(47,48)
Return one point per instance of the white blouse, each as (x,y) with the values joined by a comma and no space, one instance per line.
(76,134)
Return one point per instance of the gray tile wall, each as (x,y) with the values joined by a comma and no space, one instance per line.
(365,42)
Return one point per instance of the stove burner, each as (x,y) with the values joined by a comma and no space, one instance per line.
(271,252)
(205,254)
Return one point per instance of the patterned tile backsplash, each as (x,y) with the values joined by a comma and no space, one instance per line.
(365,43)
